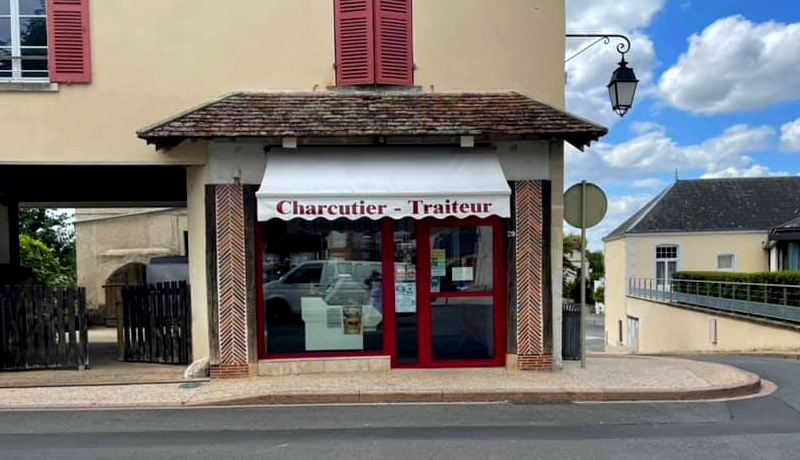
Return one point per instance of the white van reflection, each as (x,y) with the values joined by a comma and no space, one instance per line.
(337,282)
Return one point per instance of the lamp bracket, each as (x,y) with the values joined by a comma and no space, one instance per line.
(622,47)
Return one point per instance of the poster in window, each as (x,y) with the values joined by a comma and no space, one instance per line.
(463,274)
(405,297)
(438,262)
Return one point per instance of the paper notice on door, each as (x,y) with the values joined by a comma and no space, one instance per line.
(463,274)
(405,297)
(438,262)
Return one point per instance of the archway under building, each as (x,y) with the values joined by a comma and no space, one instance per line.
(53,186)
(109,313)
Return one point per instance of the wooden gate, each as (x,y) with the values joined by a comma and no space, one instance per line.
(156,323)
(43,328)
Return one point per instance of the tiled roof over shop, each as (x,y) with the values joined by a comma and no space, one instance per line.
(332,114)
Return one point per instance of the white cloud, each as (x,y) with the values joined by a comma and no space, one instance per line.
(752,171)
(596,15)
(649,183)
(589,72)
(620,208)
(790,135)
(655,151)
(652,152)
(735,65)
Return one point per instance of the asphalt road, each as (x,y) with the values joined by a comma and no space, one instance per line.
(760,428)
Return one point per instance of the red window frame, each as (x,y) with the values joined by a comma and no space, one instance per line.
(424,326)
(387,284)
(498,293)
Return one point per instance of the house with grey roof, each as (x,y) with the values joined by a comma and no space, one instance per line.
(730,224)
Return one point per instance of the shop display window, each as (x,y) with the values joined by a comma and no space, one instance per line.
(322,286)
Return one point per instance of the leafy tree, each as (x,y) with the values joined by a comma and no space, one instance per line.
(55,231)
(597,263)
(47,270)
(599,295)
(572,290)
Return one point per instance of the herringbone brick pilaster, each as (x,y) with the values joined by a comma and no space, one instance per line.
(231,276)
(529,262)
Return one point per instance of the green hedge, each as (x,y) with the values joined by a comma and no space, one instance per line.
(786,277)
(768,294)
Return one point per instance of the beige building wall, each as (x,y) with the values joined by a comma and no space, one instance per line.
(634,256)
(198,275)
(616,289)
(152,59)
(665,329)
(108,239)
(556,166)
(699,251)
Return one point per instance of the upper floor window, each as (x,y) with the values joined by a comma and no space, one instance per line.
(666,263)
(23,40)
(45,41)
(726,261)
(374,43)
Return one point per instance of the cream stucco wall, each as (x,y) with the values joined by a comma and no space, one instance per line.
(152,59)
(633,256)
(663,328)
(198,281)
(556,167)
(615,290)
(108,239)
(699,251)
(490,45)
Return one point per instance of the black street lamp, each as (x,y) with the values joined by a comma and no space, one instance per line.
(622,86)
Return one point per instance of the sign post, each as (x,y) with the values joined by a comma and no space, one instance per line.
(585,205)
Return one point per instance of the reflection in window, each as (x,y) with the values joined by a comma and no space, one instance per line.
(461,259)
(322,286)
(405,286)
(23,40)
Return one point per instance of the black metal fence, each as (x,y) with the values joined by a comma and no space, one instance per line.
(156,323)
(43,328)
(571,330)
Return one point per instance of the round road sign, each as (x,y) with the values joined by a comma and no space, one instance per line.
(596,205)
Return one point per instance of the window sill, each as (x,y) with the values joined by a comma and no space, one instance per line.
(25,87)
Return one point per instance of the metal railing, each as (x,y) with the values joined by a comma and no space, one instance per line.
(772,301)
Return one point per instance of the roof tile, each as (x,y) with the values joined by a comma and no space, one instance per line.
(371,113)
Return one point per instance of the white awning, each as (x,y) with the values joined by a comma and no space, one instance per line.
(338,183)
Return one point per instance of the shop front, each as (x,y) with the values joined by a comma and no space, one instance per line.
(381,254)
(373,230)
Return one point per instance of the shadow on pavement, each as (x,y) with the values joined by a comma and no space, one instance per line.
(104,368)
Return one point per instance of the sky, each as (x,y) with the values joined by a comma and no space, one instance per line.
(719,96)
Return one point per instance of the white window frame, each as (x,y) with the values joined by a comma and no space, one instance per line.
(16,45)
(677,259)
(733,261)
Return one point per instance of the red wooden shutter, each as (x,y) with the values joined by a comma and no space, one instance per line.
(355,47)
(69,54)
(394,42)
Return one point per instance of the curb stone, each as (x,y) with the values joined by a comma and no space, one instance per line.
(751,386)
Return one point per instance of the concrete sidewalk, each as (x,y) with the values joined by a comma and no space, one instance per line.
(606,378)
